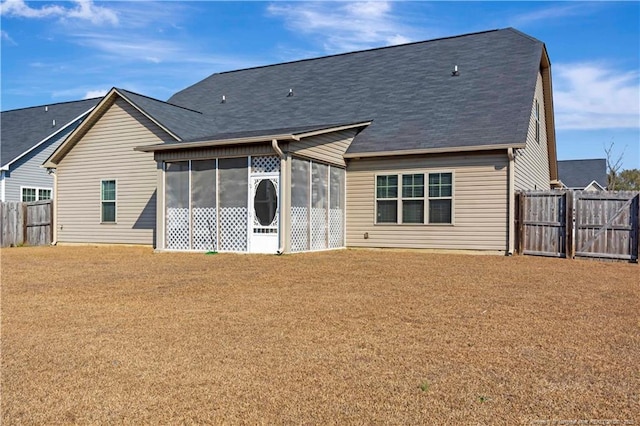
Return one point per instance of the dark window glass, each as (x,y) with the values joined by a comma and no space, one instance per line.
(440,211)
(387,211)
(265,202)
(413,211)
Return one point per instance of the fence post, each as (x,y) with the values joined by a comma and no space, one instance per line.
(568,224)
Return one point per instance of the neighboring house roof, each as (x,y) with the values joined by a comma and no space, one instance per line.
(407,90)
(22,130)
(579,174)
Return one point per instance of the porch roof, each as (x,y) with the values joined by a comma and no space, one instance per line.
(294,133)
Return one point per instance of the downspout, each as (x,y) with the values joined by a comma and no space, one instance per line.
(276,148)
(54,219)
(512,200)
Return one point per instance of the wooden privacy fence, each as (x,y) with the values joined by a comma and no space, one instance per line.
(26,223)
(579,224)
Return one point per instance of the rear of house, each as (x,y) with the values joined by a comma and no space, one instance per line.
(338,151)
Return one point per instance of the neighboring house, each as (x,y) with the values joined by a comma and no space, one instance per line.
(28,137)
(421,145)
(583,175)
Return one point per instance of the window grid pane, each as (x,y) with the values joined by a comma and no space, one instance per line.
(440,211)
(387,186)
(413,186)
(44,194)
(108,190)
(108,211)
(28,194)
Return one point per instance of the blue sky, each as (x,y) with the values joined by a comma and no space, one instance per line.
(61,51)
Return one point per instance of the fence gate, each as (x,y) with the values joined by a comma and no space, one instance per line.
(26,223)
(542,223)
(606,224)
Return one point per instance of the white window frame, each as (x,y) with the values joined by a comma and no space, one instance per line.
(376,199)
(400,199)
(37,189)
(429,198)
(115,202)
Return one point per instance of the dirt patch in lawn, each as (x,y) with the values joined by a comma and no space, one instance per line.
(125,335)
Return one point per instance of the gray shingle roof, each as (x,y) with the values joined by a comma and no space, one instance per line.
(183,122)
(22,129)
(580,173)
(408,91)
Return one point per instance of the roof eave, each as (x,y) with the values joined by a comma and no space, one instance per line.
(423,151)
(294,136)
(215,143)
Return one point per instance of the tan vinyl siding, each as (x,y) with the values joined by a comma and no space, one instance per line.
(532,163)
(106,152)
(328,148)
(221,152)
(479,203)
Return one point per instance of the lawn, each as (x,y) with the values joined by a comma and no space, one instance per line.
(101,335)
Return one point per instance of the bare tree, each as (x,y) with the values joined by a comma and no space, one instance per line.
(614,164)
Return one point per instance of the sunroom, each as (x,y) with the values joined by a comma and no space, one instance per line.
(260,193)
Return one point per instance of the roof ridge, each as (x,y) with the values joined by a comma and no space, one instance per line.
(53,104)
(360,51)
(157,100)
(525,35)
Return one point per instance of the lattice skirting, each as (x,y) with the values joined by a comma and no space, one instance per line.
(318,229)
(177,228)
(204,228)
(233,229)
(299,229)
(336,228)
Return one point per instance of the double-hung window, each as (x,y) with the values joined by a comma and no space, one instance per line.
(387,199)
(440,197)
(108,201)
(415,198)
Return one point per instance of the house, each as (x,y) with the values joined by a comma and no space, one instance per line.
(421,145)
(28,137)
(583,175)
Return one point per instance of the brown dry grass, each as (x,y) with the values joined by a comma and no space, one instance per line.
(123,335)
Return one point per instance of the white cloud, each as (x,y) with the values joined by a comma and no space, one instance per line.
(593,96)
(84,10)
(546,14)
(6,37)
(346,26)
(96,93)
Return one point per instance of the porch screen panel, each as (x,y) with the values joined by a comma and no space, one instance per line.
(336,207)
(319,205)
(300,200)
(204,226)
(233,189)
(177,205)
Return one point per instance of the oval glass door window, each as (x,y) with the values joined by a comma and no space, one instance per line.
(265,202)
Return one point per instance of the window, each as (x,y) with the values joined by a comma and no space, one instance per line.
(28,194)
(35,194)
(387,199)
(108,201)
(403,198)
(440,197)
(537,118)
(413,198)
(44,194)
